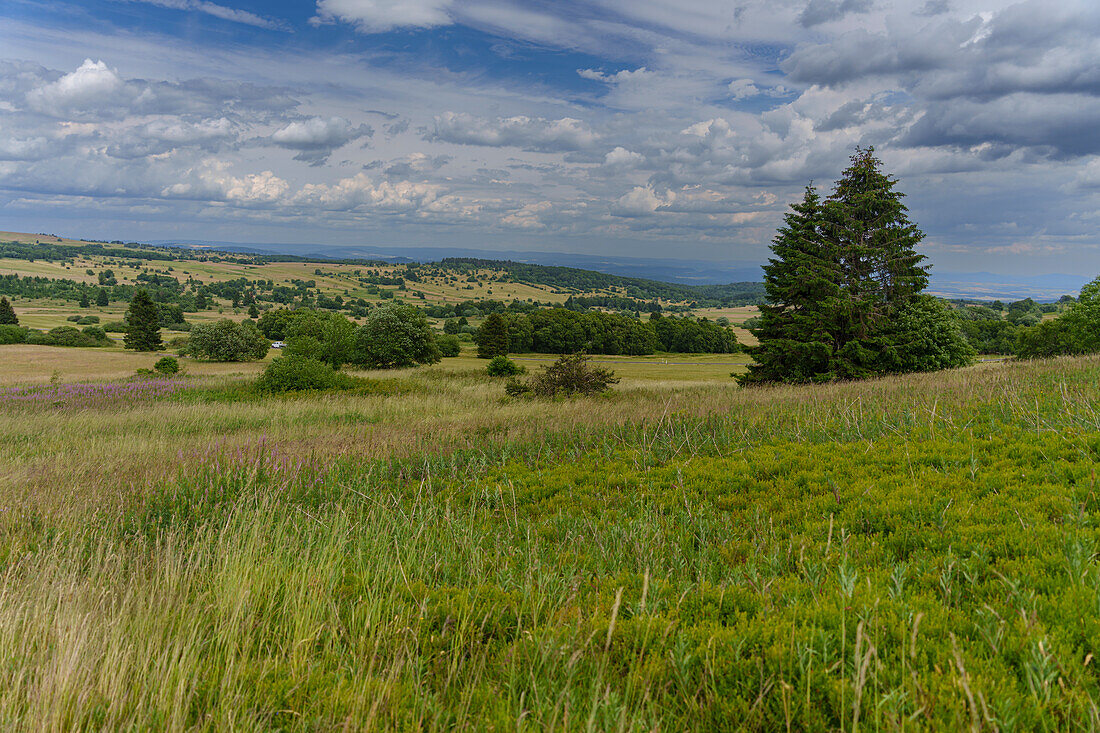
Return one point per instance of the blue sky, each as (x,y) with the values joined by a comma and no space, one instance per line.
(619,127)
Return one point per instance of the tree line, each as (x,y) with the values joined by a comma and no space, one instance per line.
(563,331)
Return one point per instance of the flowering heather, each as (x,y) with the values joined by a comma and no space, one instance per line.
(90,394)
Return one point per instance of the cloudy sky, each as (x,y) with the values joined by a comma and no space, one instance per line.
(670,128)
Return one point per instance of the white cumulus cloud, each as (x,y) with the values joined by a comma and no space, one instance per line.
(529,133)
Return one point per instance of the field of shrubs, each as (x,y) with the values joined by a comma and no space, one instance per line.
(421,551)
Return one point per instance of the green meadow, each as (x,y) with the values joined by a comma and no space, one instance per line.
(910,553)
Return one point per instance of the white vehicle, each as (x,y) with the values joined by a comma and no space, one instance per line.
(277,344)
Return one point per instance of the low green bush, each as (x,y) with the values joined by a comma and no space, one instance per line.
(502,366)
(73,319)
(67,336)
(115,326)
(570,375)
(87,320)
(167,365)
(294,373)
(10,334)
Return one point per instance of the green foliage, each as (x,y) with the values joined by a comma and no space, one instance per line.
(68,336)
(12,334)
(844,289)
(502,366)
(449,345)
(924,336)
(7,313)
(115,326)
(986,330)
(560,331)
(87,320)
(101,298)
(273,323)
(1076,331)
(395,336)
(167,365)
(492,337)
(570,375)
(226,340)
(329,337)
(143,324)
(295,373)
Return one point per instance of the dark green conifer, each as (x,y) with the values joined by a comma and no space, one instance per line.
(7,313)
(802,281)
(492,337)
(101,298)
(844,289)
(143,323)
(875,241)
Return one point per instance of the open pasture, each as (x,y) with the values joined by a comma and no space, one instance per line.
(915,552)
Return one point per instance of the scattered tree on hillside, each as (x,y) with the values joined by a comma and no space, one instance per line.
(143,324)
(395,335)
(7,313)
(492,337)
(328,337)
(844,289)
(101,299)
(226,340)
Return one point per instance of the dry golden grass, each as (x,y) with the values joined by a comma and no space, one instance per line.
(29,364)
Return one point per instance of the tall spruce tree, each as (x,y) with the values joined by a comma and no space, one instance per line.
(844,289)
(492,337)
(7,313)
(802,282)
(101,298)
(143,323)
(875,241)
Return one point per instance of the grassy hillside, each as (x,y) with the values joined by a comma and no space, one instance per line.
(80,265)
(912,552)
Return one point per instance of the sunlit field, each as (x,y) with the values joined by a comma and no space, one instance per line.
(912,552)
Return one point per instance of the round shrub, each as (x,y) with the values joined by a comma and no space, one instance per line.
(95,332)
(62,336)
(167,365)
(293,373)
(87,320)
(115,326)
(502,366)
(11,334)
(73,319)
